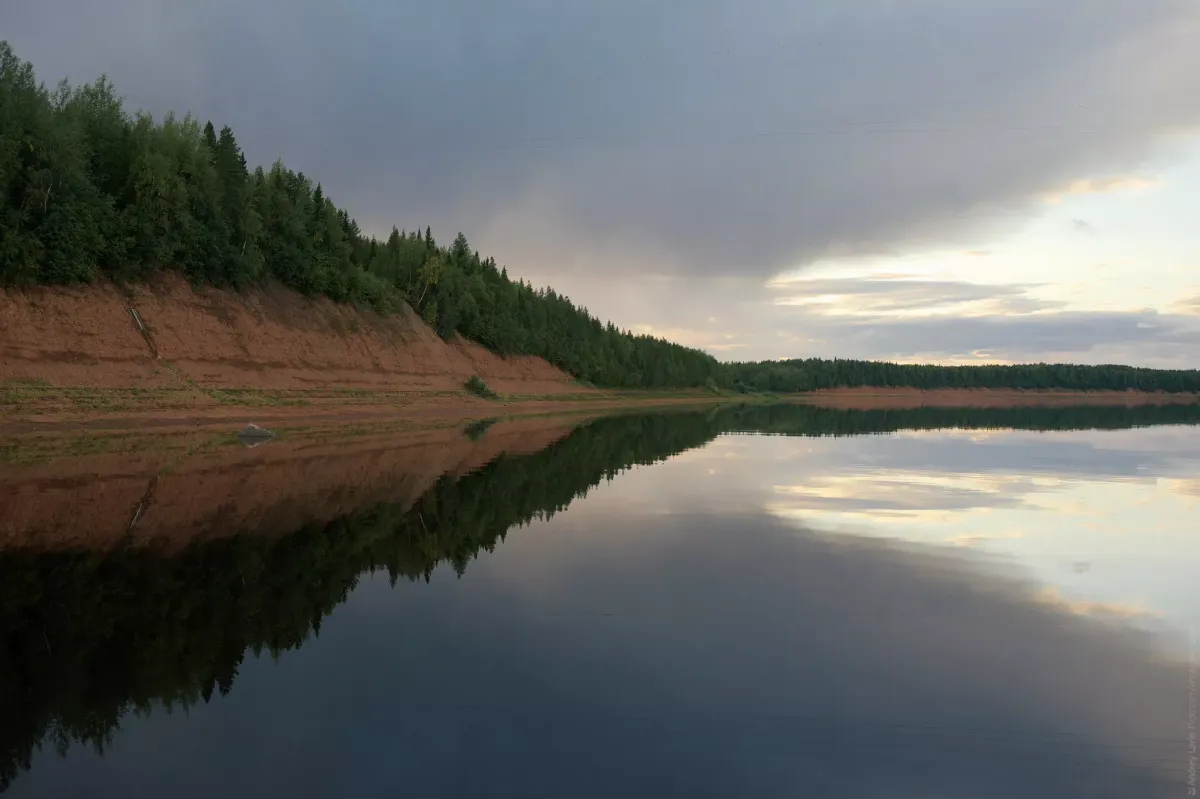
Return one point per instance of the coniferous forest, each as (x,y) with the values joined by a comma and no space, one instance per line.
(816,373)
(89,191)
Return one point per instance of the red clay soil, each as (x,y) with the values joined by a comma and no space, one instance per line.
(166,498)
(322,362)
(879,398)
(85,336)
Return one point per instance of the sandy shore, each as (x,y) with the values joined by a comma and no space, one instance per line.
(42,410)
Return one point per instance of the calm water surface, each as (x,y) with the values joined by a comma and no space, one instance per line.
(652,606)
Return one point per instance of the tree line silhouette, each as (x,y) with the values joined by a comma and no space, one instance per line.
(89,637)
(88,191)
(809,374)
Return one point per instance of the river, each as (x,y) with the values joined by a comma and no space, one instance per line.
(759,601)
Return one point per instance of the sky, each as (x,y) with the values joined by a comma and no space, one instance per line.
(949,180)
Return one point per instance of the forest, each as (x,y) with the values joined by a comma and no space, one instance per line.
(91,192)
(816,373)
(92,636)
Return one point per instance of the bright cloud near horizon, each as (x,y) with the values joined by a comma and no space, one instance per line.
(950,180)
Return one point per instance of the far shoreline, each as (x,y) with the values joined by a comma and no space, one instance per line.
(49,410)
(883,398)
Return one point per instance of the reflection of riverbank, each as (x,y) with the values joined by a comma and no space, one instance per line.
(93,628)
(47,410)
(172,489)
(168,497)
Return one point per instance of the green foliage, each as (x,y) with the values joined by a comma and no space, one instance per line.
(479,388)
(87,190)
(477,430)
(816,373)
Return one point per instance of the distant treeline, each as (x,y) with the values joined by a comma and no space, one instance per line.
(89,191)
(816,373)
(89,637)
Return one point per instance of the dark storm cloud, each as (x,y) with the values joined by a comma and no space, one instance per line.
(1064,334)
(712,138)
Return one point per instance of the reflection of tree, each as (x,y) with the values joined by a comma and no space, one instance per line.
(812,421)
(89,637)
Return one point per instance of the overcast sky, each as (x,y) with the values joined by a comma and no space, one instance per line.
(959,180)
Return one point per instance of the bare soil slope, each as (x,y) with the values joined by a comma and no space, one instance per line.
(86,336)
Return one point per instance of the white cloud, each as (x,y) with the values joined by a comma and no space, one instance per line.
(881,296)
(1109,185)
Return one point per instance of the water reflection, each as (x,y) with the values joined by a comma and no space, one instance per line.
(610,649)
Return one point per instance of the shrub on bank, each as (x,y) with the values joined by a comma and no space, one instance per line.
(479,388)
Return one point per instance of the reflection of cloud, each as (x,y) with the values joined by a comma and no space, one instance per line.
(729,618)
(1046,460)
(878,495)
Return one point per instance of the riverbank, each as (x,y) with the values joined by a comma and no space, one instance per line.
(166,356)
(176,488)
(32,409)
